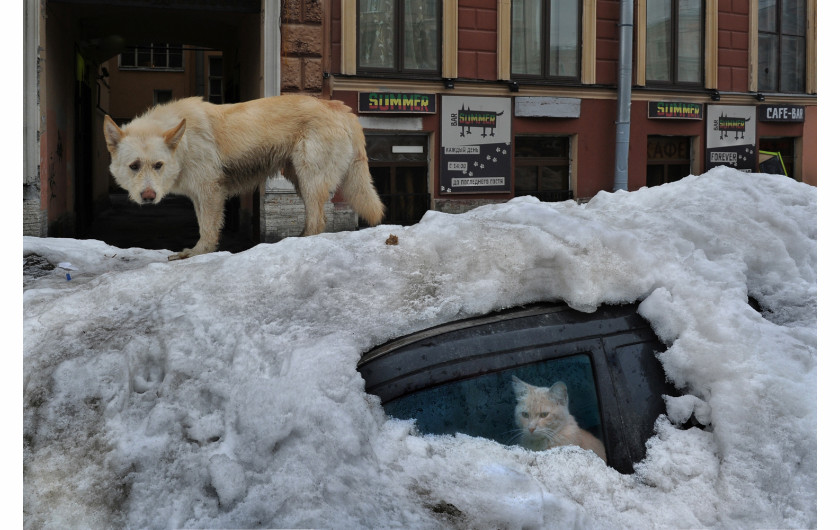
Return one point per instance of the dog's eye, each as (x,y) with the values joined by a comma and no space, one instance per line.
(134,166)
(158,165)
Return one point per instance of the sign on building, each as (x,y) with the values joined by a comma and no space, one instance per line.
(476,146)
(674,110)
(397,103)
(782,113)
(730,137)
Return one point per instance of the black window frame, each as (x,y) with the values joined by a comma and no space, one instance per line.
(540,162)
(780,35)
(399,69)
(545,63)
(419,201)
(215,78)
(674,62)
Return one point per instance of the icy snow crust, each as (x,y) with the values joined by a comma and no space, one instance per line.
(222,391)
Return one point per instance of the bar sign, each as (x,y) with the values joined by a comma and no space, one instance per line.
(675,110)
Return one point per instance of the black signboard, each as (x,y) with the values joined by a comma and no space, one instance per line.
(781,113)
(397,102)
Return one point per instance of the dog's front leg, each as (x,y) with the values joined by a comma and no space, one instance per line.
(210,212)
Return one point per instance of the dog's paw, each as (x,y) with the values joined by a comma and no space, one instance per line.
(195,251)
(184,254)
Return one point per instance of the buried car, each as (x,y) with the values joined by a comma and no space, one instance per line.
(456,377)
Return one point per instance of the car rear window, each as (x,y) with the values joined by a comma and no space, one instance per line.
(484,406)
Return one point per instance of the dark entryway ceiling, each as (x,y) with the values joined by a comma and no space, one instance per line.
(107,26)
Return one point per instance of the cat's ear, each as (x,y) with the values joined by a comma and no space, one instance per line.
(560,393)
(520,387)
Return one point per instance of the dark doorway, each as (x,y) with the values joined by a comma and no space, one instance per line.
(82,153)
(399,165)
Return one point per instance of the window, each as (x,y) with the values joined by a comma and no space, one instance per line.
(484,406)
(674,44)
(214,80)
(162,96)
(781,45)
(541,167)
(399,166)
(157,56)
(545,38)
(668,159)
(399,36)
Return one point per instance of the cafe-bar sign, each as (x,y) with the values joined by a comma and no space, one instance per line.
(781,113)
(397,102)
(675,110)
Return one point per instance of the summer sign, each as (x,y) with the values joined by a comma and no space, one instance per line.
(475,145)
(390,102)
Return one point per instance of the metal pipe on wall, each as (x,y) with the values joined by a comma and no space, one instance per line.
(625,68)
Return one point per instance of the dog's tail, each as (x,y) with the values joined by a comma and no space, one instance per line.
(357,187)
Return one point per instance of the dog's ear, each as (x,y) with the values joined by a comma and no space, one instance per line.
(113,134)
(174,135)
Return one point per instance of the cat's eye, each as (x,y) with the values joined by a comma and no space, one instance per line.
(524,414)
(543,414)
(134,166)
(158,165)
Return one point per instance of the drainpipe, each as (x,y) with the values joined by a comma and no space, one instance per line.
(625,67)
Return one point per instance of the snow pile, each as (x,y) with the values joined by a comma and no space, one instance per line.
(221,391)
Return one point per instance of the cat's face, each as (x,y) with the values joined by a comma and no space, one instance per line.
(541,412)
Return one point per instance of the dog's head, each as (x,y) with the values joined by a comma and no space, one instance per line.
(143,159)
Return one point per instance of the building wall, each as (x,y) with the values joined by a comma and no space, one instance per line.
(733,45)
(57,140)
(135,89)
(477,35)
(302,37)
(607,15)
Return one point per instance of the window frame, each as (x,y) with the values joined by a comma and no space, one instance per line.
(779,35)
(545,60)
(399,47)
(170,48)
(674,49)
(212,96)
(668,163)
(392,198)
(542,161)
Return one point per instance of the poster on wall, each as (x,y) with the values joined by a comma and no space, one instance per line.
(475,145)
(730,137)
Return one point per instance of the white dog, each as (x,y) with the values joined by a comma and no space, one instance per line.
(212,152)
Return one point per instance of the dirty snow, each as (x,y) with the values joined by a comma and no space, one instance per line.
(221,391)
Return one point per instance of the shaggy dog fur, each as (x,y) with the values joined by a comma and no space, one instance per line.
(212,152)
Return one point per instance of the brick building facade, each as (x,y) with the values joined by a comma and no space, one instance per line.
(464,102)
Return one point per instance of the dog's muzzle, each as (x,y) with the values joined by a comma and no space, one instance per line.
(148,195)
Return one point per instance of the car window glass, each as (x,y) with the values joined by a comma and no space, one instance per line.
(484,405)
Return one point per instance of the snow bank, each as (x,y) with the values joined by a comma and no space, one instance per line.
(221,391)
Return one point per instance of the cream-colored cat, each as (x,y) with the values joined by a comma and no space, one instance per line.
(543,416)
